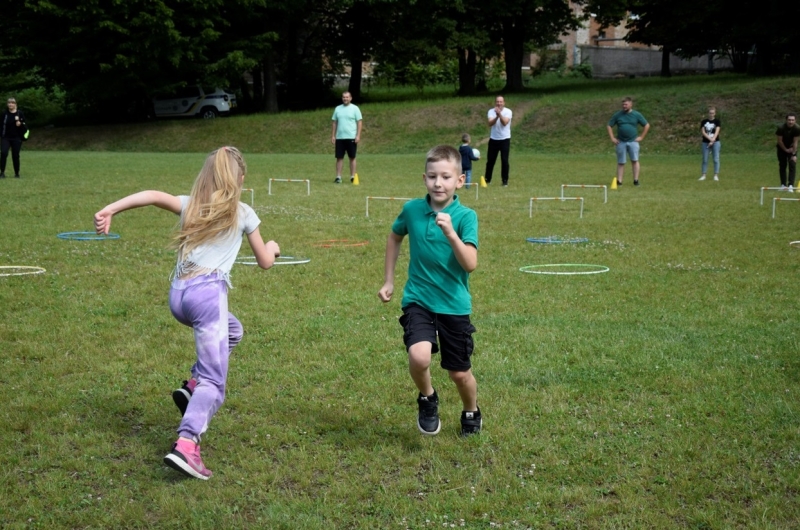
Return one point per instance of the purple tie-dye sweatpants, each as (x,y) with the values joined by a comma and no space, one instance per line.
(202,304)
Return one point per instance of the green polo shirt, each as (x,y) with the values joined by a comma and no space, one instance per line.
(436,280)
(626,123)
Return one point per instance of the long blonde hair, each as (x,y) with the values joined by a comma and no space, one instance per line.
(213,208)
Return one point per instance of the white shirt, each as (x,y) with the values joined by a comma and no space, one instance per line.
(500,131)
(220,254)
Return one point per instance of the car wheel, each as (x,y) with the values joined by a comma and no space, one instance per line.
(208,113)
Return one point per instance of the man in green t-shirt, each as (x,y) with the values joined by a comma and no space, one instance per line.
(787,135)
(627,139)
(345,134)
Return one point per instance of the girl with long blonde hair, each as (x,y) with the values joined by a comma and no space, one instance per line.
(211,227)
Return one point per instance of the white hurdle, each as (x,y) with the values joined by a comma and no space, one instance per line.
(533,199)
(252,195)
(776,200)
(605,189)
(385,199)
(308,184)
(780,188)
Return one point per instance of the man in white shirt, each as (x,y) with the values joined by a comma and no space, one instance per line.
(500,139)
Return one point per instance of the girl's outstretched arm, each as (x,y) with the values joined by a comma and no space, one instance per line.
(102,219)
(265,253)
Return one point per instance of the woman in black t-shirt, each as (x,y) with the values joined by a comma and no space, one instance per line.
(12,129)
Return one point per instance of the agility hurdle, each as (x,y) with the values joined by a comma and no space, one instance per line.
(770,188)
(530,208)
(251,194)
(776,200)
(308,184)
(385,199)
(605,189)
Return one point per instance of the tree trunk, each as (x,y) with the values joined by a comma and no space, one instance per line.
(258,88)
(513,49)
(665,71)
(467,61)
(270,84)
(356,74)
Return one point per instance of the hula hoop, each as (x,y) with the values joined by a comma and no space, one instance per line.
(794,244)
(20,270)
(280,260)
(531,269)
(87,236)
(335,243)
(556,239)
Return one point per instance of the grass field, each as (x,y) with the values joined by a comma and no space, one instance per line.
(661,394)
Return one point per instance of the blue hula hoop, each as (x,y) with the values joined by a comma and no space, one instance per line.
(556,240)
(87,236)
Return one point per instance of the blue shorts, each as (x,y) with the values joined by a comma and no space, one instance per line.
(631,148)
(452,332)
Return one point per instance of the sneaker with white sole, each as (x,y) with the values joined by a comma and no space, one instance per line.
(471,422)
(702,177)
(428,417)
(716,177)
(185,458)
(182,395)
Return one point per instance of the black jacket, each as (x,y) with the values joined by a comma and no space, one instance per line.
(8,129)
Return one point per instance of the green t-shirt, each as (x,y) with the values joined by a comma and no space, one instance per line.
(436,280)
(346,118)
(788,134)
(626,123)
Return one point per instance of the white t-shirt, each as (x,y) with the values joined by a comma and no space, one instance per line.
(218,255)
(500,131)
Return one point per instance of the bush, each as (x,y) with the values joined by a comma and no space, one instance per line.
(41,106)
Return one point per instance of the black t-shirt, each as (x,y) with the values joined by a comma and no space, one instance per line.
(709,126)
(788,134)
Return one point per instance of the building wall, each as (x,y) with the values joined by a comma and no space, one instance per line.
(617,62)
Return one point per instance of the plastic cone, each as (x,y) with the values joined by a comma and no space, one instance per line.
(614,183)
(355,179)
(483,182)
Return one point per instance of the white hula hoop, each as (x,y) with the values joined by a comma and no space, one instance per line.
(280,260)
(794,244)
(20,270)
(531,269)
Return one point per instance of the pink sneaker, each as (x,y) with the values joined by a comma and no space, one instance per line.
(185,457)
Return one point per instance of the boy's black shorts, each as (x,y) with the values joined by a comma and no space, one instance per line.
(453,332)
(346,146)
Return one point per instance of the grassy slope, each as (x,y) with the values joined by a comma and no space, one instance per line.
(565,117)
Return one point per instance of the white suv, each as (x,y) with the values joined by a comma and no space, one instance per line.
(194,101)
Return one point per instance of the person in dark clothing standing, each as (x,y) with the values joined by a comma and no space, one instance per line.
(12,129)
(787,136)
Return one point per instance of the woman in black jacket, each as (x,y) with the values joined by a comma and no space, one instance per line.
(12,129)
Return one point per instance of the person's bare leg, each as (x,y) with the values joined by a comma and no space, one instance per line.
(419,366)
(467,388)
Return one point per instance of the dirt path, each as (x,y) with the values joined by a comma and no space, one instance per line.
(519,110)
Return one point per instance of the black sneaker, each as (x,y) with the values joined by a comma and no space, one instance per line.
(635,182)
(2,175)
(16,176)
(182,396)
(428,418)
(337,180)
(471,422)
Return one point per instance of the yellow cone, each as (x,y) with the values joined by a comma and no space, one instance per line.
(355,179)
(614,183)
(483,182)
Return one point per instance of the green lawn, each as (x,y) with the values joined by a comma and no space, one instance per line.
(661,394)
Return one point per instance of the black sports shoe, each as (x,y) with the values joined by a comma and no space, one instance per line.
(635,182)
(2,175)
(428,418)
(471,422)
(182,396)
(337,180)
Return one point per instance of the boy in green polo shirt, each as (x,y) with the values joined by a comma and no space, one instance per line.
(443,246)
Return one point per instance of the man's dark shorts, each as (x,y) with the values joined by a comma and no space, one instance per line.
(453,332)
(346,146)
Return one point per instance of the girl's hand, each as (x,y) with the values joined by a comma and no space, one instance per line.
(273,248)
(102,221)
